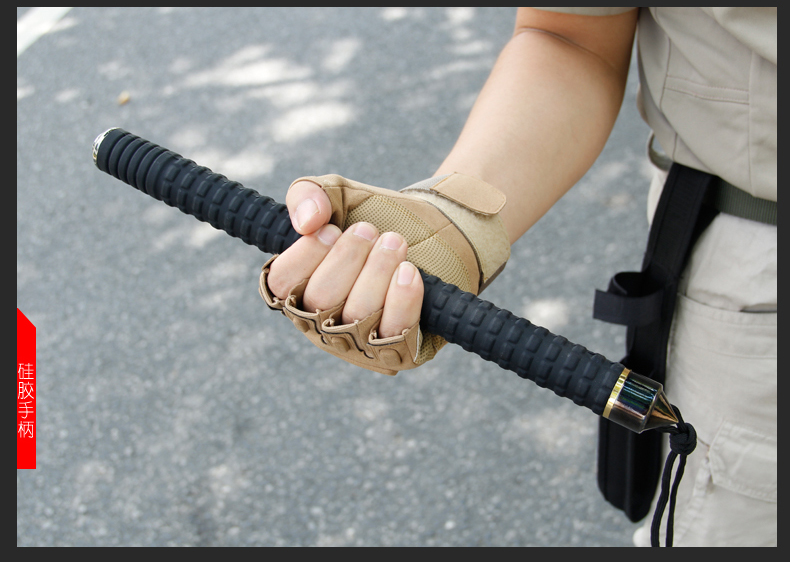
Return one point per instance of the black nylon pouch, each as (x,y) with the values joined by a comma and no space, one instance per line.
(630,464)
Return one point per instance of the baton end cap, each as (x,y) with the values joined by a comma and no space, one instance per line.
(97,143)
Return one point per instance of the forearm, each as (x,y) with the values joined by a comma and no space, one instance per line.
(541,120)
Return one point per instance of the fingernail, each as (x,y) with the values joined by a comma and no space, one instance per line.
(305,211)
(328,234)
(391,241)
(366,231)
(405,273)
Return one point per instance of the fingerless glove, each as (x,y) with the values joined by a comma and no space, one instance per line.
(453,229)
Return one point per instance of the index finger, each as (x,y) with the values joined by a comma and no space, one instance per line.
(308,206)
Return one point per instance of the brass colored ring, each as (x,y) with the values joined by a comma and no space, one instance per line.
(616,391)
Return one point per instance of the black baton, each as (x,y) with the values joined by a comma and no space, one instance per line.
(532,352)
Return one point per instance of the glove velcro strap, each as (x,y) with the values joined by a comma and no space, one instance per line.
(473,206)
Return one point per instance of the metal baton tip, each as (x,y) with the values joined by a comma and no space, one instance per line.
(639,403)
(97,142)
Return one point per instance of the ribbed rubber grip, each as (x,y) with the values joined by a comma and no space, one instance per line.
(462,318)
(209,197)
(515,344)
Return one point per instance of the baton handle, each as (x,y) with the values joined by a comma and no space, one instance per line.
(209,197)
(515,344)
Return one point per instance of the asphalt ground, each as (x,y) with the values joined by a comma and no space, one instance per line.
(173,408)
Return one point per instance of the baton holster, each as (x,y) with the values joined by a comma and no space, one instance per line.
(629,464)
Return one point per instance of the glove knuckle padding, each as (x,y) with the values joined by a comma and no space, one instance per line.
(453,230)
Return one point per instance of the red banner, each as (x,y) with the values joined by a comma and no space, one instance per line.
(26,392)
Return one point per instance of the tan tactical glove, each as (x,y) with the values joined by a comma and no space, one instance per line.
(454,231)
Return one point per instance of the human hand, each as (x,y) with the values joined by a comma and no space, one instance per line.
(355,292)
(360,267)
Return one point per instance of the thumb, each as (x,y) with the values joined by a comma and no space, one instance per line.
(308,206)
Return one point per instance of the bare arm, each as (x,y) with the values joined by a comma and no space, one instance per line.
(539,123)
(546,110)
